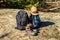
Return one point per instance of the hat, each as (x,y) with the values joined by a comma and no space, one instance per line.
(34,13)
(33,10)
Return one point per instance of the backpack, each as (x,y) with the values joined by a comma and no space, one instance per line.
(22,19)
(35,20)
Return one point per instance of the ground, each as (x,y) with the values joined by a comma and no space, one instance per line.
(49,30)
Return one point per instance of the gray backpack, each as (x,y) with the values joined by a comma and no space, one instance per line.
(22,19)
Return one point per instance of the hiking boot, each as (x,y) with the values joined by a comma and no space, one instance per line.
(30,30)
(36,30)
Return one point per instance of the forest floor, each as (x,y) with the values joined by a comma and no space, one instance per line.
(49,30)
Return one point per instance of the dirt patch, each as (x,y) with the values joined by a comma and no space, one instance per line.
(50,28)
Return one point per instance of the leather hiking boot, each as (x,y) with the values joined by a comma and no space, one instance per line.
(30,31)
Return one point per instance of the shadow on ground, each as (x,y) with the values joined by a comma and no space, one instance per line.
(44,24)
(47,23)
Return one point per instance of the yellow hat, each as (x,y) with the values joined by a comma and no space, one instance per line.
(34,10)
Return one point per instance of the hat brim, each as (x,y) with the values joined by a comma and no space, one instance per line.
(34,13)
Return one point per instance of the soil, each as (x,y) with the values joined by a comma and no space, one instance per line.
(49,29)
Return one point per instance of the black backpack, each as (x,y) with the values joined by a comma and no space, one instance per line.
(22,19)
